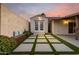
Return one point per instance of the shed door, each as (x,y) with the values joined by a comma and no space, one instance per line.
(39,26)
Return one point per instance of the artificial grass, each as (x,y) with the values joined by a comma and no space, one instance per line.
(34,45)
(54,51)
(20,53)
(17,46)
(73,47)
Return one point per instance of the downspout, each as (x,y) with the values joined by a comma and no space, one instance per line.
(0,19)
(77,22)
(77,28)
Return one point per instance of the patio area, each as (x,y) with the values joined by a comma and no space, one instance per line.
(71,39)
(45,44)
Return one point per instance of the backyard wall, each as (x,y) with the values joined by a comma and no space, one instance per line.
(10,22)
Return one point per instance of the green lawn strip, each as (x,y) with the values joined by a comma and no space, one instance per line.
(17,46)
(44,53)
(34,45)
(20,53)
(54,51)
(67,52)
(41,38)
(4,53)
(55,42)
(31,38)
(41,42)
(47,42)
(73,47)
(27,42)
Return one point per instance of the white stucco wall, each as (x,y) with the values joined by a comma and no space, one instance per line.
(32,25)
(0,19)
(46,25)
(10,22)
(77,21)
(58,27)
(52,29)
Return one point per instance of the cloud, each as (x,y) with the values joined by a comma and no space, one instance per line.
(50,9)
(64,9)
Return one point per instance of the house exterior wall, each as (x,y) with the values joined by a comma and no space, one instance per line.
(46,25)
(52,25)
(32,26)
(0,19)
(58,27)
(10,22)
(77,21)
(32,22)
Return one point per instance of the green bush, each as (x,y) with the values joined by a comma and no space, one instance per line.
(27,33)
(7,44)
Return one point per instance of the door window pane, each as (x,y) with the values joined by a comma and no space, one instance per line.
(36,25)
(41,25)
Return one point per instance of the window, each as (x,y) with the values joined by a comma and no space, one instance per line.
(13,34)
(41,25)
(36,25)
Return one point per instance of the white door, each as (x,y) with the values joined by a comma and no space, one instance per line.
(39,27)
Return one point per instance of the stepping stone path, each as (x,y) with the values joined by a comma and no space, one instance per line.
(41,40)
(23,48)
(30,40)
(43,48)
(62,48)
(41,44)
(54,40)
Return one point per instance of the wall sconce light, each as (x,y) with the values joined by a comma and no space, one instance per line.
(39,18)
(65,21)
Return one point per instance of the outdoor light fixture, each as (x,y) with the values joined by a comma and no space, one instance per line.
(65,21)
(39,18)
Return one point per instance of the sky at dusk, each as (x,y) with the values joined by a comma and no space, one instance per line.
(27,10)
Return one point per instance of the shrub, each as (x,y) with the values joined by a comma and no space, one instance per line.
(7,44)
(27,33)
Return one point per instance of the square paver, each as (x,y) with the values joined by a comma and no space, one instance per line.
(50,37)
(29,40)
(32,37)
(41,40)
(23,47)
(43,48)
(41,37)
(62,48)
(53,40)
